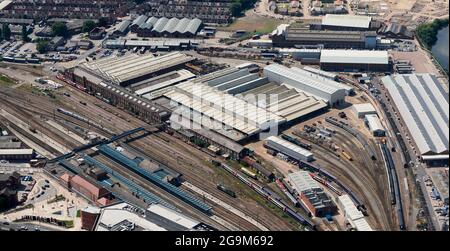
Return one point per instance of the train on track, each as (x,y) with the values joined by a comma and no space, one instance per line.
(354,133)
(396,196)
(270,196)
(226,190)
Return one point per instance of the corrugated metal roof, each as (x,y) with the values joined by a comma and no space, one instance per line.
(347,21)
(140,20)
(302,181)
(123,26)
(350,211)
(364,108)
(423,105)
(160,24)
(374,122)
(193,26)
(362,225)
(302,79)
(291,146)
(182,24)
(171,25)
(354,57)
(16,151)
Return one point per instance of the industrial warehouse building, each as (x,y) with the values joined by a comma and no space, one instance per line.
(328,90)
(374,124)
(345,22)
(108,77)
(16,154)
(212,99)
(422,103)
(289,149)
(164,27)
(352,214)
(354,61)
(311,195)
(361,110)
(167,45)
(294,36)
(122,29)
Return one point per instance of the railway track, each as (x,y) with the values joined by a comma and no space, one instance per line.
(362,179)
(184,207)
(196,175)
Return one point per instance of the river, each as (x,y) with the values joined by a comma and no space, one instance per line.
(440,49)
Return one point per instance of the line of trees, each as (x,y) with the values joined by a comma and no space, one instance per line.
(427,32)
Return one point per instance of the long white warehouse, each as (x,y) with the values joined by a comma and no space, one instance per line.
(289,149)
(322,88)
(423,104)
(352,214)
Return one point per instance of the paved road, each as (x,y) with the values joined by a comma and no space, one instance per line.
(14,226)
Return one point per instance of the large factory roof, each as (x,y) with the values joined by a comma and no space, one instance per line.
(160,25)
(351,21)
(374,123)
(123,26)
(302,181)
(163,81)
(351,212)
(289,145)
(304,78)
(325,35)
(354,57)
(16,151)
(121,69)
(423,104)
(227,109)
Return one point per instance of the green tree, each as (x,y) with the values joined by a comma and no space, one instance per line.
(60,29)
(1,35)
(25,37)
(103,22)
(42,46)
(6,32)
(88,25)
(427,32)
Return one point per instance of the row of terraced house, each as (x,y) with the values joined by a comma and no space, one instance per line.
(217,11)
(71,9)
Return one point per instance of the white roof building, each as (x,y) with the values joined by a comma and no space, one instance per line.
(302,181)
(320,87)
(374,124)
(362,110)
(352,214)
(362,225)
(351,21)
(292,150)
(348,208)
(354,57)
(16,151)
(423,104)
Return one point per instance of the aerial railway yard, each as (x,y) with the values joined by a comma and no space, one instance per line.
(35,109)
(354,162)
